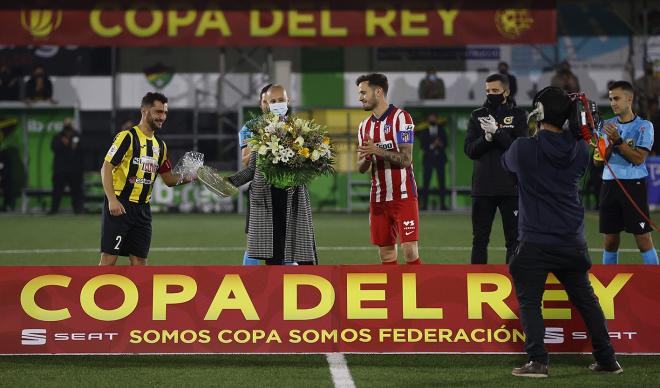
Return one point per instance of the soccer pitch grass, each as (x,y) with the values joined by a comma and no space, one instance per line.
(219,239)
(180,239)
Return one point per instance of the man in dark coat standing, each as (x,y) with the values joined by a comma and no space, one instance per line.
(67,167)
(491,130)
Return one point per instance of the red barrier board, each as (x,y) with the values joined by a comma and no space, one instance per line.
(107,26)
(370,308)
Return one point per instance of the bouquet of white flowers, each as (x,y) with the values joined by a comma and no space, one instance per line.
(291,151)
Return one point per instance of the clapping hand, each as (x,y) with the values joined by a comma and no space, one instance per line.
(612,132)
(489,126)
(368,148)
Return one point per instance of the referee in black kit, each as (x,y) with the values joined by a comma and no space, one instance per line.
(129,171)
(491,130)
(549,167)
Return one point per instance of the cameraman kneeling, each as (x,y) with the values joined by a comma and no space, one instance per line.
(551,230)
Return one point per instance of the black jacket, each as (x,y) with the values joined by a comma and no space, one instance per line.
(488,176)
(32,93)
(426,140)
(67,158)
(549,169)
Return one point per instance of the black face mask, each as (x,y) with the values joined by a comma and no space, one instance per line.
(495,100)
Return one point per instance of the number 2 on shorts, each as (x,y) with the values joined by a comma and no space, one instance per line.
(118,239)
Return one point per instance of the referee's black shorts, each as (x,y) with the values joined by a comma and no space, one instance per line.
(127,234)
(616,211)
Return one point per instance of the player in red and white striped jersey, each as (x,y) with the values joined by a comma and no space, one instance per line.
(385,143)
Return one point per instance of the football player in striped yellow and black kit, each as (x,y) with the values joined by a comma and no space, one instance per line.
(130,168)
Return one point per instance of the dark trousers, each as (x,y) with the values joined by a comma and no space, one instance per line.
(279,200)
(74,181)
(483,214)
(437,163)
(529,268)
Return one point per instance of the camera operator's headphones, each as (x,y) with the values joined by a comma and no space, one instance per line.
(582,114)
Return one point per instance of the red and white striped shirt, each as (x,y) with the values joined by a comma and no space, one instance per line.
(389,181)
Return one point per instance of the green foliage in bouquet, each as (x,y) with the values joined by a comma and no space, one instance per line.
(291,151)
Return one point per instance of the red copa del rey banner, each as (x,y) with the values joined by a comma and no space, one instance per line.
(429,308)
(275,27)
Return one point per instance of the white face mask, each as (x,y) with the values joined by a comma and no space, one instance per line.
(279,108)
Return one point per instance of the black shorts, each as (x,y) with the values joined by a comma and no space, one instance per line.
(616,211)
(127,234)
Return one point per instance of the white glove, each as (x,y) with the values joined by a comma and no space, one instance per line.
(488,124)
(488,136)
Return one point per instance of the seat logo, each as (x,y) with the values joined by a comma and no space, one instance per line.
(33,337)
(554,335)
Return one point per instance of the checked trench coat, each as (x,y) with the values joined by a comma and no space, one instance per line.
(300,245)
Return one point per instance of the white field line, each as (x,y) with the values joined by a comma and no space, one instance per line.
(242,248)
(341,375)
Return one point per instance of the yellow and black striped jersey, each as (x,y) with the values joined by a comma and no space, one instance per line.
(137,160)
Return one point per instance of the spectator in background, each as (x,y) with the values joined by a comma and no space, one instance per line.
(503,68)
(433,139)
(12,170)
(565,79)
(39,87)
(9,84)
(127,125)
(67,167)
(647,87)
(654,118)
(431,87)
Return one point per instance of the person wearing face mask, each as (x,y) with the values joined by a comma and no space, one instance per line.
(280,228)
(491,130)
(39,87)
(433,138)
(431,87)
(565,79)
(67,167)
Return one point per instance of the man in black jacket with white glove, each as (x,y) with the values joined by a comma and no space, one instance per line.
(491,130)
(549,167)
